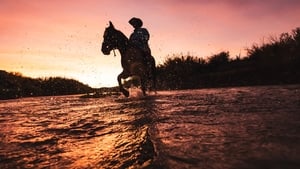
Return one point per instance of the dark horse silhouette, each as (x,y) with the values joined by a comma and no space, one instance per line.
(133,60)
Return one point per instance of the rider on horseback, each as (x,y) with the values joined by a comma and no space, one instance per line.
(140,37)
(134,61)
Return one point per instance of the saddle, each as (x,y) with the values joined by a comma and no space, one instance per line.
(147,57)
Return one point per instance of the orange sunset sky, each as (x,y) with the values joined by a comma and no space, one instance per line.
(42,38)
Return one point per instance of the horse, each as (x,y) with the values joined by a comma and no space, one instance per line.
(134,61)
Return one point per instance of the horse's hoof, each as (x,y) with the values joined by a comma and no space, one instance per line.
(126,93)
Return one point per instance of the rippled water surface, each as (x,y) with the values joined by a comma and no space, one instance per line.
(247,127)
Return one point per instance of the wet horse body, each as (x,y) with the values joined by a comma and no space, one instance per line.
(133,60)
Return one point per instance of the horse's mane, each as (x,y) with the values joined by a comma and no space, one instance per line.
(122,35)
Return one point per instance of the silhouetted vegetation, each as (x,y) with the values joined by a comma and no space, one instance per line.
(14,85)
(275,62)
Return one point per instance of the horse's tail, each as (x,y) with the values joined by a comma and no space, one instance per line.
(152,74)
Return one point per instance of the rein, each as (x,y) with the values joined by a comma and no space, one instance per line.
(114,53)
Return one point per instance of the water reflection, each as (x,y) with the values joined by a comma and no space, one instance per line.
(228,128)
(75,133)
(249,127)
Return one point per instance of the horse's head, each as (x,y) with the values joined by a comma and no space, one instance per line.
(109,39)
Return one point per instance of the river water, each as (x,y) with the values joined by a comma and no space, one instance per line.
(225,128)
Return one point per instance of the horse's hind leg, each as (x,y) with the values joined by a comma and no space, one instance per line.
(143,86)
(122,89)
(152,74)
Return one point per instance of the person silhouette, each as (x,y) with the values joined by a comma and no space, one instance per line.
(140,36)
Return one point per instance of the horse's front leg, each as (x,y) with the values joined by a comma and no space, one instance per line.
(121,76)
